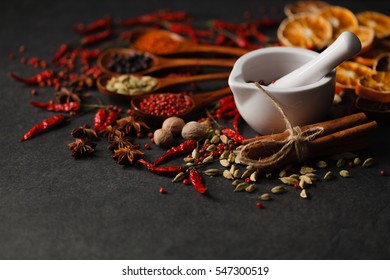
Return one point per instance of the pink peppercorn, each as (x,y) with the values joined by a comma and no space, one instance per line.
(259,205)
(163,191)
(168,104)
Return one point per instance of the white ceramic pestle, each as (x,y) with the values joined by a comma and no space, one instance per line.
(346,46)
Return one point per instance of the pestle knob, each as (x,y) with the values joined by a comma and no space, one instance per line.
(345,47)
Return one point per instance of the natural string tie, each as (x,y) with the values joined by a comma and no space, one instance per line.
(297,139)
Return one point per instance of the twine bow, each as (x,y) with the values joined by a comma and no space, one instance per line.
(297,139)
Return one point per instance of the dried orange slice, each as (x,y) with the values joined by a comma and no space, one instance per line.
(306,31)
(348,73)
(365,34)
(379,22)
(340,18)
(304,7)
(382,63)
(375,87)
(370,57)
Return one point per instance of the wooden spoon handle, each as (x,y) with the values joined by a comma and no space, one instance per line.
(216,49)
(177,62)
(166,82)
(203,99)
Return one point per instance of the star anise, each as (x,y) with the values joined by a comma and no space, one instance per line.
(127,155)
(81,83)
(65,96)
(82,147)
(84,132)
(109,132)
(119,140)
(131,123)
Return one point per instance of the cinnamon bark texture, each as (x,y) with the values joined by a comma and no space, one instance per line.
(321,139)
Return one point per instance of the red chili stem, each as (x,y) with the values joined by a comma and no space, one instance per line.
(233,135)
(162,170)
(184,148)
(57,107)
(196,181)
(43,126)
(96,38)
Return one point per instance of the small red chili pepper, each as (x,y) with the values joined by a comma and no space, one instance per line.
(99,119)
(33,80)
(226,100)
(96,38)
(43,126)
(57,107)
(196,181)
(220,40)
(223,24)
(162,170)
(184,148)
(183,29)
(60,52)
(93,26)
(111,118)
(233,135)
(235,121)
(155,17)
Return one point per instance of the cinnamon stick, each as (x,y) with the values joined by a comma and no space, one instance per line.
(329,127)
(339,136)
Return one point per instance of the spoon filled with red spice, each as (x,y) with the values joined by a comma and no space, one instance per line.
(157,107)
(116,61)
(129,85)
(164,42)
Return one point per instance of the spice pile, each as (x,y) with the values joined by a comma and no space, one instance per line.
(204,144)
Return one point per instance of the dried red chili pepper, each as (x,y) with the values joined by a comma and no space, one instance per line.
(235,121)
(220,40)
(162,170)
(153,18)
(184,148)
(93,26)
(57,107)
(222,24)
(60,52)
(196,181)
(183,29)
(43,126)
(233,135)
(96,38)
(99,119)
(111,118)
(33,80)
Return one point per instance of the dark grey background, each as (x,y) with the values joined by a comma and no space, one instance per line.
(55,207)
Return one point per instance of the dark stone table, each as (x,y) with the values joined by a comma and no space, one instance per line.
(55,207)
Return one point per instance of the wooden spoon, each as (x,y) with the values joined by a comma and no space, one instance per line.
(161,83)
(181,44)
(160,63)
(198,101)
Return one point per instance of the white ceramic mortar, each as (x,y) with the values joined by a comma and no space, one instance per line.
(302,105)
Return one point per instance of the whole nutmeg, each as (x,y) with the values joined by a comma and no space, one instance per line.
(162,137)
(193,130)
(174,125)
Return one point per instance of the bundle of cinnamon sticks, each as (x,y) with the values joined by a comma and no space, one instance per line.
(344,134)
